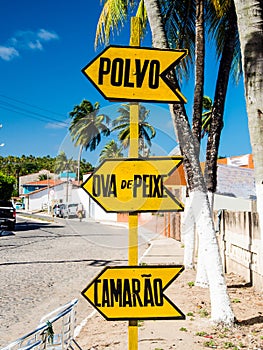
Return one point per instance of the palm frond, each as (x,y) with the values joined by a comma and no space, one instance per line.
(142,14)
(179,24)
(218,14)
(113,15)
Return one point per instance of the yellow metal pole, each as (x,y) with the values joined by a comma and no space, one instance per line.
(133,153)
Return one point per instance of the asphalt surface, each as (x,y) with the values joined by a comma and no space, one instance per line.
(47,262)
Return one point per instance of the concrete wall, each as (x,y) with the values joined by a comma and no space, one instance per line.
(93,210)
(240,244)
(61,193)
(232,203)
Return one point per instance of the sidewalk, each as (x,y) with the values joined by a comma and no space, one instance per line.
(98,334)
(195,332)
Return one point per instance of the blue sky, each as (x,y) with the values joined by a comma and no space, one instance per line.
(44,45)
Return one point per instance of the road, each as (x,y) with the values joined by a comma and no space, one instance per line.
(46,264)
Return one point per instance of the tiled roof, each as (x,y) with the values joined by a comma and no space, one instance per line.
(49,182)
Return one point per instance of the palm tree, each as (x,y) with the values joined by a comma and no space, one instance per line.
(111,150)
(122,123)
(226,34)
(220,303)
(63,163)
(250,26)
(86,127)
(199,70)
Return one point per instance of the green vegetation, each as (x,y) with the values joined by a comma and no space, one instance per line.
(201,334)
(190,314)
(191,284)
(183,329)
(140,323)
(210,344)
(7,186)
(111,150)
(229,345)
(88,125)
(203,313)
(15,167)
(236,301)
(146,130)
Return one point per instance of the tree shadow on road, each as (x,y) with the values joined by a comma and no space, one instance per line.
(28,226)
(90,262)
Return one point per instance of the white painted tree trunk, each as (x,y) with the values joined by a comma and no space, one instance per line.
(221,311)
(201,279)
(188,234)
(250,27)
(220,303)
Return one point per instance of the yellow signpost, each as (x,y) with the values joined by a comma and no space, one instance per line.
(134,185)
(133,217)
(134,292)
(135,74)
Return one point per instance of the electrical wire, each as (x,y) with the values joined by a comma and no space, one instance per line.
(31,114)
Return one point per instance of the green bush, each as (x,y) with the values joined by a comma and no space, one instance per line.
(7,185)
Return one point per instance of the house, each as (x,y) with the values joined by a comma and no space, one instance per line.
(243,161)
(34,177)
(54,192)
(65,175)
(236,188)
(38,185)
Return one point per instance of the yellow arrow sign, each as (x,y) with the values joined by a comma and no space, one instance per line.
(134,292)
(134,185)
(135,74)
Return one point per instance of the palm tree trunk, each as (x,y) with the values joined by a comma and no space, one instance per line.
(79,160)
(219,102)
(189,236)
(250,27)
(199,70)
(221,311)
(217,124)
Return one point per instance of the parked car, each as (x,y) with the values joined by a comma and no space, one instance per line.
(7,214)
(56,210)
(72,210)
(63,210)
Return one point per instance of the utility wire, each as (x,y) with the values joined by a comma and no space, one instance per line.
(30,105)
(31,114)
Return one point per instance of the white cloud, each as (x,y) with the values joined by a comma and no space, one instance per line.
(35,45)
(57,125)
(7,53)
(26,40)
(46,35)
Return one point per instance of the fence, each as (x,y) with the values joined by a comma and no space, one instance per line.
(241,247)
(239,239)
(55,332)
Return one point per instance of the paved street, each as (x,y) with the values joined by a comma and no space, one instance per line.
(44,265)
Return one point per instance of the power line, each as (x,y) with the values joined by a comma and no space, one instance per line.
(30,105)
(31,114)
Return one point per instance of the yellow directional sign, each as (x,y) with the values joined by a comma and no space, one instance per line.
(135,74)
(134,292)
(134,185)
